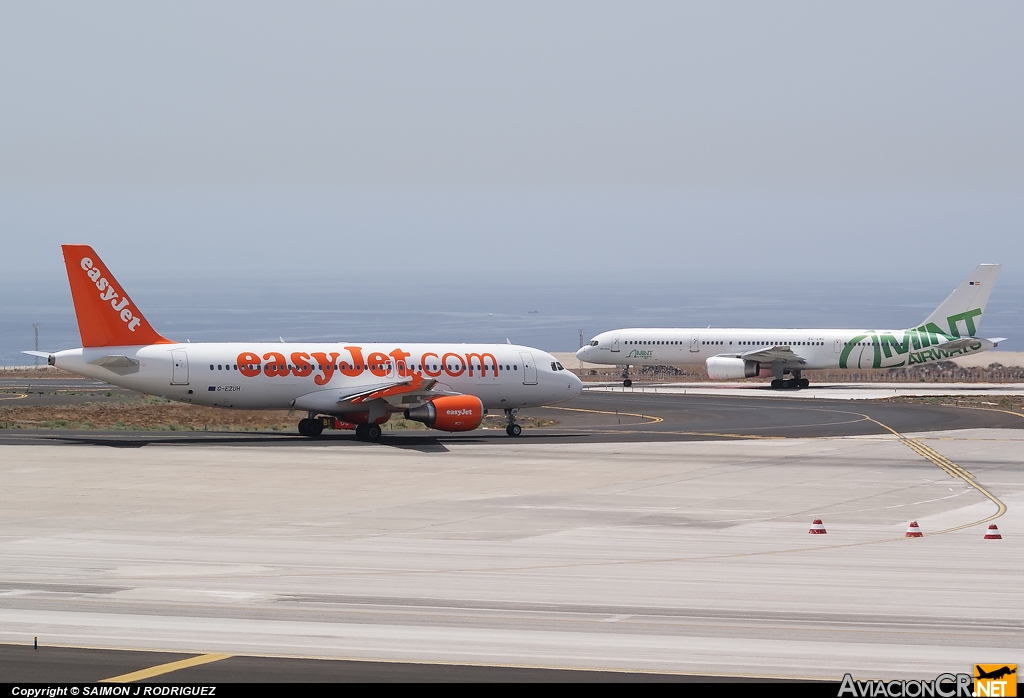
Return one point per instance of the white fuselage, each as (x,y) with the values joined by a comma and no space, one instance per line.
(818,348)
(311,376)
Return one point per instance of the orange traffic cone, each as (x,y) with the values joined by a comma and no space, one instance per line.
(817,527)
(914,531)
(993,533)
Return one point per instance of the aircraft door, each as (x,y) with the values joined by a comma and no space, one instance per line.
(615,342)
(839,346)
(529,368)
(695,342)
(179,374)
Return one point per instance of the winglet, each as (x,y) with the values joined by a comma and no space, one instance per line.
(106,315)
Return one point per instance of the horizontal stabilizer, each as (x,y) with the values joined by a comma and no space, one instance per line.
(119,364)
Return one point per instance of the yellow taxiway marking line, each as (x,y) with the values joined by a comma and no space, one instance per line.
(161,669)
(951,469)
(654,420)
(19,396)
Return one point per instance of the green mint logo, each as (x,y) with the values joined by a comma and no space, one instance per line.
(968,320)
(918,345)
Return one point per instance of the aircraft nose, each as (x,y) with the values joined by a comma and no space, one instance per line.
(576,386)
(582,352)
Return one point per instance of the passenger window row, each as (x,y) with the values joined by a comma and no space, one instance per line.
(781,344)
(646,342)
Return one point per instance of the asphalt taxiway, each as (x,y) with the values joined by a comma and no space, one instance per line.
(653,533)
(606,417)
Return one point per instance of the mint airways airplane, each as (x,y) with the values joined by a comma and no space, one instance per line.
(730,354)
(343,385)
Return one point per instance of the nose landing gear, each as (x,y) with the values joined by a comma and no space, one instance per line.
(626,382)
(512,429)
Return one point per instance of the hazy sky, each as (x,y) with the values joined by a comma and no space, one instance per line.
(604,140)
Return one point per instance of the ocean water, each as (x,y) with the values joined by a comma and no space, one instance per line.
(547,314)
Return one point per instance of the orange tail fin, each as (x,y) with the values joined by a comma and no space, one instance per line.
(106,315)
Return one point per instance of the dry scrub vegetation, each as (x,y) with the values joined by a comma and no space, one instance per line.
(159,414)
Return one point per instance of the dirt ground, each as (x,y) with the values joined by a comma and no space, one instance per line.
(155,413)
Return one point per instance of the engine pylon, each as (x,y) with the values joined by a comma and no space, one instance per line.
(993,533)
(817,527)
(914,531)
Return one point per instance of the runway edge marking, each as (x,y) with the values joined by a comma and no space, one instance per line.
(161,669)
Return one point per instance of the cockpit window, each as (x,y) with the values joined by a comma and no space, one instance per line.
(560,366)
(593,342)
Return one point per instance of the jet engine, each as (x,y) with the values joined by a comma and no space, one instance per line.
(450,413)
(723,368)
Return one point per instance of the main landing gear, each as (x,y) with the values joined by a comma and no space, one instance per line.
(368,432)
(311,427)
(789,384)
(512,429)
(626,382)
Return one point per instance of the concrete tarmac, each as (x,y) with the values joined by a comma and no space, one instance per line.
(675,543)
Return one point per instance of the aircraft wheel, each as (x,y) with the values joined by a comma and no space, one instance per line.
(304,427)
(360,431)
(372,432)
(627,383)
(776,383)
(804,383)
(314,428)
(513,430)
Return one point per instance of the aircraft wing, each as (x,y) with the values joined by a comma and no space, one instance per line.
(767,355)
(411,389)
(405,391)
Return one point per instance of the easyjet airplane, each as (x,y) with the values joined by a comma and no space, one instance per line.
(735,353)
(341,385)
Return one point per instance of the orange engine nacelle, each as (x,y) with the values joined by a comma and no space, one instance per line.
(453,413)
